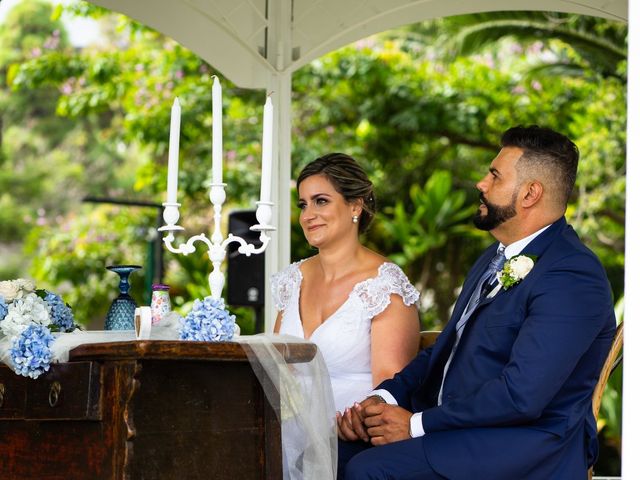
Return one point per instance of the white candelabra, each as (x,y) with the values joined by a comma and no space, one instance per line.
(217,245)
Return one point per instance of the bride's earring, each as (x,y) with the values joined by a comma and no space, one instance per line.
(354,219)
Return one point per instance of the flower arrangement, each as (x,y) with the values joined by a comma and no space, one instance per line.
(208,321)
(31,351)
(515,269)
(27,318)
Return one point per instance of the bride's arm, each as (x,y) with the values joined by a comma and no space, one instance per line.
(395,337)
(276,327)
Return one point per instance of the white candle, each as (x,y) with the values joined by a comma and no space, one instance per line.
(267,151)
(174,148)
(216,146)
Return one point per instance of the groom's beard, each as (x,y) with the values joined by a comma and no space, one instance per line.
(496,214)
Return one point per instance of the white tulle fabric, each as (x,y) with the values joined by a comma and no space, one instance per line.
(344,338)
(304,406)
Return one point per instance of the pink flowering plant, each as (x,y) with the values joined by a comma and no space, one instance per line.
(27,318)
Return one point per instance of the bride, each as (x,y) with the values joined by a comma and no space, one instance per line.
(359,308)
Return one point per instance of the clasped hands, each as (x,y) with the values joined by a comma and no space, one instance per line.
(375,421)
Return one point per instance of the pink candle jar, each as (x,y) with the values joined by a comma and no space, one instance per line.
(160,302)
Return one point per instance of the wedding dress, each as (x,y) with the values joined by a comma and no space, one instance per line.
(344,338)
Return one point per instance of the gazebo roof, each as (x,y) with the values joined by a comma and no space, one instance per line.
(248,40)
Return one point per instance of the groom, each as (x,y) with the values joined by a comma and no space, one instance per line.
(505,392)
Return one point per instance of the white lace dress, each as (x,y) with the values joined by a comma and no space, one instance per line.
(345,337)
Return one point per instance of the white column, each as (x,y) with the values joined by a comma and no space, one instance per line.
(631,381)
(278,254)
(279,56)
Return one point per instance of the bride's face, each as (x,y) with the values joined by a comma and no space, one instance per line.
(325,216)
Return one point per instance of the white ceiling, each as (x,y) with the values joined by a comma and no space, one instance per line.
(247,43)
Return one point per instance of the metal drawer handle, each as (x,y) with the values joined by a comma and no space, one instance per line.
(54,393)
(2,390)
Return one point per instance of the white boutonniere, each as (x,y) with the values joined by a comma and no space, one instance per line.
(515,269)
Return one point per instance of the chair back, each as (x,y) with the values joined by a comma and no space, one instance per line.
(428,338)
(612,361)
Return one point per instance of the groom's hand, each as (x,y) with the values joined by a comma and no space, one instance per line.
(387,423)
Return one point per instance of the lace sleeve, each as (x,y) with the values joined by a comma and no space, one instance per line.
(376,292)
(284,284)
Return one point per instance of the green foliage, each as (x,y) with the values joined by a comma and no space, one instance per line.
(438,213)
(112,111)
(387,100)
(439,217)
(30,28)
(590,44)
(611,408)
(78,251)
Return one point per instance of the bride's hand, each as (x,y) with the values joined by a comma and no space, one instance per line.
(351,425)
(345,426)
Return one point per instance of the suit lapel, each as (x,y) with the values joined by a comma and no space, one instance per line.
(470,284)
(489,298)
(448,335)
(536,247)
(446,340)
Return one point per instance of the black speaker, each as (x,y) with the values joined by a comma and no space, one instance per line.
(245,275)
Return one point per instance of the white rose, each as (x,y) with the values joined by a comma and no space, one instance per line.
(26,285)
(12,289)
(521,266)
(8,290)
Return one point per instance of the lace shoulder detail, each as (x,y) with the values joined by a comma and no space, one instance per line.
(375,293)
(285,284)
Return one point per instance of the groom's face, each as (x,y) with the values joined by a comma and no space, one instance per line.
(498,191)
(494,215)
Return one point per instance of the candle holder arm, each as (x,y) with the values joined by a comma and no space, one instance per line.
(246,248)
(187,247)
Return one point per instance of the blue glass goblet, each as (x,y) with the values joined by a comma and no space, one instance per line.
(122,310)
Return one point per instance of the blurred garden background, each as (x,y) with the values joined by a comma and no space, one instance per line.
(421,107)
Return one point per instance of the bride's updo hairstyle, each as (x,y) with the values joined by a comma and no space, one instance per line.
(349,180)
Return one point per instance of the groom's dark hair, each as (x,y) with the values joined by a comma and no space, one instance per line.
(547,154)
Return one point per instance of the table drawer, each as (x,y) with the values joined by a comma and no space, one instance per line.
(68,391)
(13,394)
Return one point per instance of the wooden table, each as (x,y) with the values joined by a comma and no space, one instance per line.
(143,410)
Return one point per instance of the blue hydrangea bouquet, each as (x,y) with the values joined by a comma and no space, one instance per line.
(28,316)
(208,321)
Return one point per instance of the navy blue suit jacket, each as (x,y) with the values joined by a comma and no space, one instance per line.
(517,396)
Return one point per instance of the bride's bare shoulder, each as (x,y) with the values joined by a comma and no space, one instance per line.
(309,265)
(373,261)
